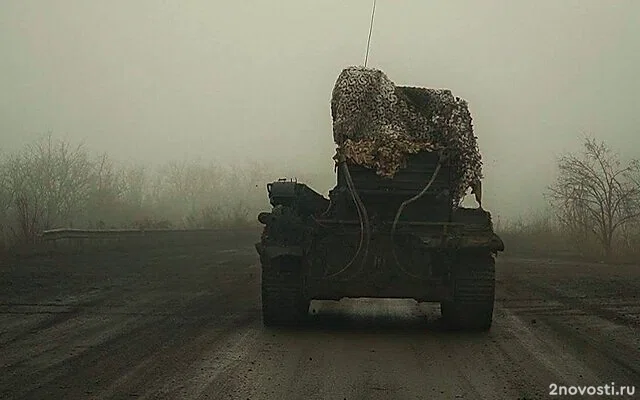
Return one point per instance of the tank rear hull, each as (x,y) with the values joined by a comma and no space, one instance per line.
(309,253)
(416,266)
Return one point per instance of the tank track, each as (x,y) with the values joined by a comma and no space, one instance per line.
(473,279)
(283,301)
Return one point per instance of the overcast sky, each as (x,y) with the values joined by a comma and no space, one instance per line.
(225,80)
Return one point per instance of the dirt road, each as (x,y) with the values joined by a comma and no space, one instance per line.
(184,322)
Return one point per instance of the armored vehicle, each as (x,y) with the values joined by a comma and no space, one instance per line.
(393,225)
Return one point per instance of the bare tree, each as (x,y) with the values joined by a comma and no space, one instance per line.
(246,191)
(189,190)
(6,202)
(49,184)
(596,194)
(105,205)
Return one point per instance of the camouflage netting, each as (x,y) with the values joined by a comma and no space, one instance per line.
(377,124)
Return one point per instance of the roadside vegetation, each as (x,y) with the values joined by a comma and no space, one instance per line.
(56,184)
(593,206)
(593,210)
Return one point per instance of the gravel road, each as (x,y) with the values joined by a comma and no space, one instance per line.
(183,322)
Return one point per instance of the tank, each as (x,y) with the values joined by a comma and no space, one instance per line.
(393,225)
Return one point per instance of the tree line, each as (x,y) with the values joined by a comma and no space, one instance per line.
(593,204)
(53,183)
(593,207)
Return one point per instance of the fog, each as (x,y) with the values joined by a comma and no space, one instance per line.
(230,81)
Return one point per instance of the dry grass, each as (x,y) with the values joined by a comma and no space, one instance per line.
(543,236)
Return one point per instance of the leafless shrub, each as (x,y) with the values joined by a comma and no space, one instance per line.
(6,200)
(185,188)
(54,183)
(595,196)
(206,218)
(104,201)
(536,234)
(47,182)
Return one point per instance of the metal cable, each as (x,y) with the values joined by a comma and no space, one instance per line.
(363,219)
(400,209)
(373,12)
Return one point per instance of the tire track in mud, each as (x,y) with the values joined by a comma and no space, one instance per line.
(170,331)
(73,353)
(620,349)
(156,370)
(28,342)
(215,358)
(44,316)
(374,350)
(519,358)
(128,341)
(595,335)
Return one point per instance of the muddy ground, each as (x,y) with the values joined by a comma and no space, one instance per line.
(183,322)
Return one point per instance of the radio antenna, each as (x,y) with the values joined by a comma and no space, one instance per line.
(373,12)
